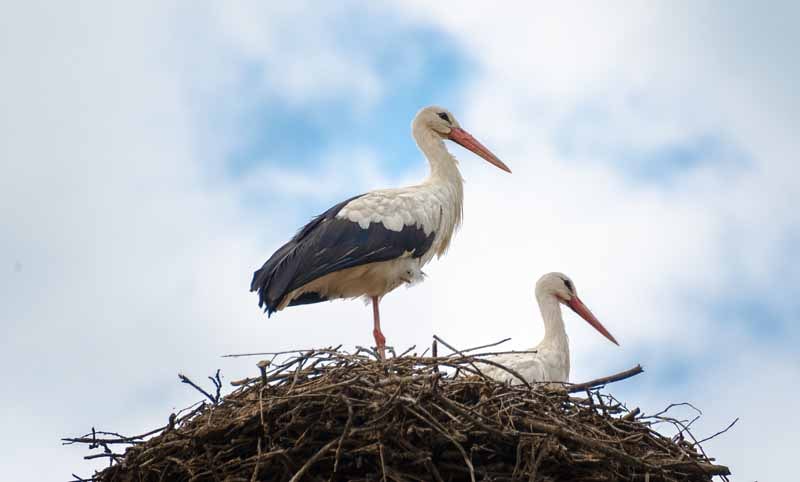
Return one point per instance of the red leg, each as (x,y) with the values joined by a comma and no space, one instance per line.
(380,340)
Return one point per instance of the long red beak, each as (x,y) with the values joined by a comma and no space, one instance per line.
(464,139)
(578,307)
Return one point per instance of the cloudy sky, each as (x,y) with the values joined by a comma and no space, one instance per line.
(153,154)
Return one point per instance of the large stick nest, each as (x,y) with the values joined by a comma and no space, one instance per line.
(329,415)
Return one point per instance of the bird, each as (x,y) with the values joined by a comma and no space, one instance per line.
(370,244)
(549,360)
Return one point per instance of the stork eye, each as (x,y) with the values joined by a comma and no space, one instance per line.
(444,116)
(569,286)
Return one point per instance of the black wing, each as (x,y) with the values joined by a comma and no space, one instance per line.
(325,245)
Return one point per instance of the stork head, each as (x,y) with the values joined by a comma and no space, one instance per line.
(443,124)
(559,285)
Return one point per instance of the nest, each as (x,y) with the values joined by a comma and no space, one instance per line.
(330,415)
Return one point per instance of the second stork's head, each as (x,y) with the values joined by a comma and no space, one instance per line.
(436,123)
(559,286)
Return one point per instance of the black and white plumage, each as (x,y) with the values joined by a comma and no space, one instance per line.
(328,245)
(370,244)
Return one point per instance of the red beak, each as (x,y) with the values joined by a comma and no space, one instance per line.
(578,307)
(463,138)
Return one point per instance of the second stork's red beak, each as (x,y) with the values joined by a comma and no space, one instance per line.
(463,138)
(578,307)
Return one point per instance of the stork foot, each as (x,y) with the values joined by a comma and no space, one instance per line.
(380,343)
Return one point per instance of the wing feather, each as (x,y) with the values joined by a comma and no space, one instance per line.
(350,234)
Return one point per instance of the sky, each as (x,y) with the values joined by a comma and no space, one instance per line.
(154,154)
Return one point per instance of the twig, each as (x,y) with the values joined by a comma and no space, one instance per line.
(631,415)
(447,435)
(81,479)
(383,463)
(579,387)
(217,381)
(254,477)
(719,433)
(471,363)
(673,405)
(454,350)
(184,379)
(407,351)
(503,367)
(467,350)
(119,440)
(99,456)
(345,432)
(435,354)
(286,352)
(312,460)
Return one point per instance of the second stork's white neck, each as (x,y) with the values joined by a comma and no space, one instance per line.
(554,332)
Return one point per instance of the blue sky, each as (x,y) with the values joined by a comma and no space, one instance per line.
(153,157)
(272,127)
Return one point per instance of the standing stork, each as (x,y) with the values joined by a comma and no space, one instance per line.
(550,363)
(370,244)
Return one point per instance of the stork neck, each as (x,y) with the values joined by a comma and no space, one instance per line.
(444,167)
(554,331)
(447,185)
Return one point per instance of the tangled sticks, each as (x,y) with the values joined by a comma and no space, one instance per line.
(330,415)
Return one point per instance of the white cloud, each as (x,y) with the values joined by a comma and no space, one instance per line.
(342,174)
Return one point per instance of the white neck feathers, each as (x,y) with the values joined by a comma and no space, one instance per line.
(554,331)
(446,180)
(444,167)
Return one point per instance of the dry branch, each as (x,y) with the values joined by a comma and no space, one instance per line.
(599,382)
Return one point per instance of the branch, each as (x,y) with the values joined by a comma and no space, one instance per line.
(487,346)
(81,479)
(471,361)
(217,381)
(286,352)
(184,379)
(720,432)
(579,387)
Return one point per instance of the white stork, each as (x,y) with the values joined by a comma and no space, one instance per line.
(550,363)
(370,244)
